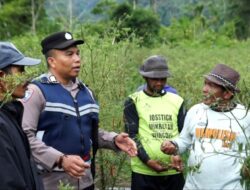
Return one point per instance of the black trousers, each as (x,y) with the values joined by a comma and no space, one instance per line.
(146,182)
(92,187)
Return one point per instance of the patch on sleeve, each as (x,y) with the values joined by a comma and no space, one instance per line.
(28,95)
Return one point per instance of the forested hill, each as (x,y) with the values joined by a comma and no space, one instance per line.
(43,16)
(82,9)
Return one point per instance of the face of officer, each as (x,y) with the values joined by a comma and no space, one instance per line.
(155,85)
(64,64)
(17,91)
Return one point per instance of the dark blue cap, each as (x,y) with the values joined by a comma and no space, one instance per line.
(10,55)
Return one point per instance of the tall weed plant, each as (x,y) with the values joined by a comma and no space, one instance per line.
(106,70)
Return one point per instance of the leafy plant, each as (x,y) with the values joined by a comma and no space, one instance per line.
(245,172)
(12,81)
(63,186)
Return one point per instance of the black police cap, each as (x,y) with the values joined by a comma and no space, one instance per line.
(59,40)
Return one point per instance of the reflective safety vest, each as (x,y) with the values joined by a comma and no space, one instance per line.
(157,123)
(67,123)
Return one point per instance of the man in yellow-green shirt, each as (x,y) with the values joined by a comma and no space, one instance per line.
(152,116)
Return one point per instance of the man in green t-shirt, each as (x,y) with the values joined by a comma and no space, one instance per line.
(152,116)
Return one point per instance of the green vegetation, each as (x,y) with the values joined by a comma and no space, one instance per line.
(12,81)
(114,48)
(111,70)
(64,186)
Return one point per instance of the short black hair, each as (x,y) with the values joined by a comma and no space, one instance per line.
(7,69)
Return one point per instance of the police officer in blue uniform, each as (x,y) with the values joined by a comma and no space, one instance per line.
(61,118)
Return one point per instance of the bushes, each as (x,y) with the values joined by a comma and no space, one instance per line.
(14,18)
(144,24)
(126,22)
(193,32)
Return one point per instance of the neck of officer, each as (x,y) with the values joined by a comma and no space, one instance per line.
(61,79)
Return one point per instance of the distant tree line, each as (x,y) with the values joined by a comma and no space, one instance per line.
(144,18)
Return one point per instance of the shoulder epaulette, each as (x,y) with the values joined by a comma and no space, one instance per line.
(45,79)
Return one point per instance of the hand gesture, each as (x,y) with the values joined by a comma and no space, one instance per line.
(168,147)
(176,163)
(126,144)
(156,166)
(74,165)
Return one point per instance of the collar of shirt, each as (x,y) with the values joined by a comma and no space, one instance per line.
(72,87)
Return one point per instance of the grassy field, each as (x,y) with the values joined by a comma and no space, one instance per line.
(111,70)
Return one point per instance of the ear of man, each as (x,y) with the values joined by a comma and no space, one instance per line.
(50,58)
(2,73)
(51,62)
(228,95)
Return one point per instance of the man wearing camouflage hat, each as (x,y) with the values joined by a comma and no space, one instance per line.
(216,132)
(151,116)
